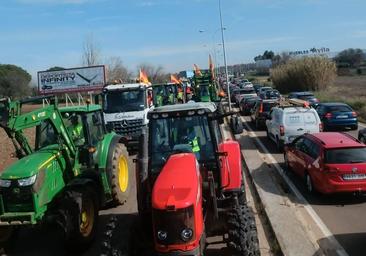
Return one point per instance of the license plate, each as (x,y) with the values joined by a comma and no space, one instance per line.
(342,116)
(354,176)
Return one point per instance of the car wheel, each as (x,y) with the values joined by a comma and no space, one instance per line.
(362,139)
(279,146)
(309,184)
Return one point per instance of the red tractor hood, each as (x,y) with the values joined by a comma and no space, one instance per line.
(178,184)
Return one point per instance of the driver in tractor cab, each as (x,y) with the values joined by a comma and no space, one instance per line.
(171,96)
(159,98)
(180,95)
(76,130)
(193,142)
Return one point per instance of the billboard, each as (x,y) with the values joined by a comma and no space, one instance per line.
(82,79)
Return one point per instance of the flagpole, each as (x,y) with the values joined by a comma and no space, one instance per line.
(223,48)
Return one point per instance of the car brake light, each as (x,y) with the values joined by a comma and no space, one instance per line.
(321,127)
(282,130)
(328,115)
(261,108)
(354,114)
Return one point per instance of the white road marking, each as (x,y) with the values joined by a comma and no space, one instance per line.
(326,232)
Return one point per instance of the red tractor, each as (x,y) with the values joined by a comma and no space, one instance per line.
(190,183)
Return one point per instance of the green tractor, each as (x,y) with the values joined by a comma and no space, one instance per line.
(204,87)
(69,170)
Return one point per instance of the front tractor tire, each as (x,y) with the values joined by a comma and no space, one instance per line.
(81,218)
(242,232)
(120,174)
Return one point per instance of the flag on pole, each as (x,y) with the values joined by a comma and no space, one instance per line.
(143,77)
(211,66)
(174,79)
(197,70)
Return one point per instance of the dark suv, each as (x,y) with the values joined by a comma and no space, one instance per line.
(260,112)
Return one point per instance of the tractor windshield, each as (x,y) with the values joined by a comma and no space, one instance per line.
(45,135)
(180,134)
(124,101)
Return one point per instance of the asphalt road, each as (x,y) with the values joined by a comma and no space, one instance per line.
(342,214)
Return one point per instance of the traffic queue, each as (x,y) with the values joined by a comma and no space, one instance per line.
(311,134)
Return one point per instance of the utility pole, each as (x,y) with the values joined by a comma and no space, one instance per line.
(224,51)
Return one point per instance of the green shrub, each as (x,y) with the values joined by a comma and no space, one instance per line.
(304,74)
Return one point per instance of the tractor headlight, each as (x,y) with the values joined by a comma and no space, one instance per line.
(27,181)
(5,183)
(186,234)
(162,235)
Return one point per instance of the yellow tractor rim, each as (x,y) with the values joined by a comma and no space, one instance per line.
(87,217)
(123,174)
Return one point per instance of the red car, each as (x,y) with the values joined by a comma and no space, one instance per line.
(329,162)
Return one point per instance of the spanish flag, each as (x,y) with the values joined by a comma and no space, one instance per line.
(211,66)
(174,79)
(143,77)
(197,70)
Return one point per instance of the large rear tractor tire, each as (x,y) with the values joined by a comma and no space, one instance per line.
(242,233)
(120,174)
(81,218)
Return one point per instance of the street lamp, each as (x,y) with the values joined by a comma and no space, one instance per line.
(224,51)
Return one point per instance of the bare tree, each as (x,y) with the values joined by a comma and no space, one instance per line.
(91,51)
(156,74)
(116,70)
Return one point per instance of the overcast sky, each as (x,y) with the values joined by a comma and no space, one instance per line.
(38,34)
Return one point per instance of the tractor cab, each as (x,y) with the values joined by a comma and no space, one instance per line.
(165,94)
(187,130)
(190,182)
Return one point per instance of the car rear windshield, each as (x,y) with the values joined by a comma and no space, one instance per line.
(345,155)
(340,108)
(246,91)
(300,118)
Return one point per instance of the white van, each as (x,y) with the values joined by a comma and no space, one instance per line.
(288,122)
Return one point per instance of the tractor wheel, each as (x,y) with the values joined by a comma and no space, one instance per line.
(120,174)
(81,218)
(242,233)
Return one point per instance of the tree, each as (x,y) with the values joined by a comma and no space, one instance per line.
(354,57)
(91,52)
(55,68)
(116,70)
(267,55)
(155,74)
(307,73)
(14,81)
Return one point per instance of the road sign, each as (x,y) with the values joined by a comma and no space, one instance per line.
(82,79)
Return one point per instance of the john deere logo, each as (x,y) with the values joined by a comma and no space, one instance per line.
(16,190)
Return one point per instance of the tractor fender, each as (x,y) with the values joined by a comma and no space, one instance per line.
(106,149)
(231,166)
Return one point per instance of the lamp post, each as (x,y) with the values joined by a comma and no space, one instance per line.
(224,51)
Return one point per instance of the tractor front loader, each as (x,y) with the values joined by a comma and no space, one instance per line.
(71,170)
